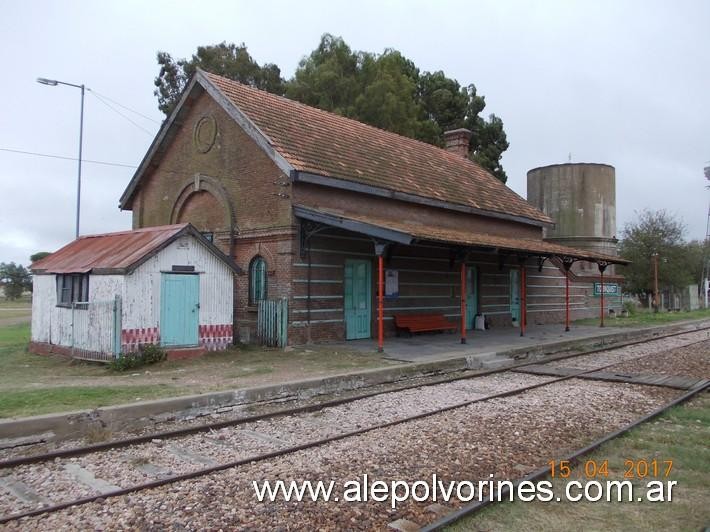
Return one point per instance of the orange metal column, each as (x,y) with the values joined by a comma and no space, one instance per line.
(601,301)
(566,300)
(463,302)
(523,300)
(380,304)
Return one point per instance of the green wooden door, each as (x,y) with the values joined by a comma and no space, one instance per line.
(357,299)
(515,296)
(179,309)
(471,296)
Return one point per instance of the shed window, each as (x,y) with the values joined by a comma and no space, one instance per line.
(257,280)
(72,288)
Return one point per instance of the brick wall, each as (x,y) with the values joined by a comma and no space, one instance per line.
(239,196)
(245,201)
(429,281)
(315,196)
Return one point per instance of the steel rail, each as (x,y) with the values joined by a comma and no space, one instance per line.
(573,458)
(309,445)
(206,427)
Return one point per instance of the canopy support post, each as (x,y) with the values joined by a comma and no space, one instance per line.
(602,266)
(380,251)
(463,301)
(567,264)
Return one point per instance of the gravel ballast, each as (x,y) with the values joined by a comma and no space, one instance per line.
(509,436)
(506,437)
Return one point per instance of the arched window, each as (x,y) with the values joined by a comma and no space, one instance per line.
(257,280)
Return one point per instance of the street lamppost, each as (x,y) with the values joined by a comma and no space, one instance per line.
(54,83)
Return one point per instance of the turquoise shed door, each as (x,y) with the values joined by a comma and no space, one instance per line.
(515,296)
(179,309)
(471,296)
(357,299)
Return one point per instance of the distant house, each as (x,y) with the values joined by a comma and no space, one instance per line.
(106,294)
(351,225)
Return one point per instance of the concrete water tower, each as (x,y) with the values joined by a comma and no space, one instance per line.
(581,199)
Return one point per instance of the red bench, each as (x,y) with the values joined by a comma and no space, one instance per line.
(422,323)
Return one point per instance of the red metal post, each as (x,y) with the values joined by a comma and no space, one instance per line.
(463,302)
(566,299)
(380,304)
(523,300)
(601,301)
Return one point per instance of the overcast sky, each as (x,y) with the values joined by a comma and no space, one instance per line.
(623,83)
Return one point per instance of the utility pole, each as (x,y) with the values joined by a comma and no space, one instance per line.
(705,281)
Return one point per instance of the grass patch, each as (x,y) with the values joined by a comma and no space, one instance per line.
(23,302)
(14,335)
(644,318)
(32,384)
(680,435)
(20,308)
(41,401)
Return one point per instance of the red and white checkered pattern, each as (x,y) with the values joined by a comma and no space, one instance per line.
(212,337)
(131,339)
(215,337)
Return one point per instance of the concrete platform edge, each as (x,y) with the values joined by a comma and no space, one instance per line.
(66,425)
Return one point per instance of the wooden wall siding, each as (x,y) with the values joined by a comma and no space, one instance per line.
(141,298)
(428,281)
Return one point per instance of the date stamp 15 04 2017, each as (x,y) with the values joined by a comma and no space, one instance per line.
(633,469)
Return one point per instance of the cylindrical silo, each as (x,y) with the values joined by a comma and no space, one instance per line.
(581,199)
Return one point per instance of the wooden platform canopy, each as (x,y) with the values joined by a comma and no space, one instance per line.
(385,232)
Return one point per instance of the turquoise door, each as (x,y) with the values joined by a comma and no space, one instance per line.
(471,296)
(515,296)
(358,297)
(179,309)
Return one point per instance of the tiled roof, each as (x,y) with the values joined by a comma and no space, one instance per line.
(113,252)
(323,143)
(530,246)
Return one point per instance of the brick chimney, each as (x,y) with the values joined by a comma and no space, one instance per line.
(457,141)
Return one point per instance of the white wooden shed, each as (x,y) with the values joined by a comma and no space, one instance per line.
(102,295)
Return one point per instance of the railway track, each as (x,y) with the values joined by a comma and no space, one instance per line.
(82,475)
(311,406)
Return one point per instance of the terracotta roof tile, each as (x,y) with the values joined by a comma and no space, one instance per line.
(533,246)
(324,143)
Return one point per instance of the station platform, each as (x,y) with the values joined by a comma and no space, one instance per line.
(444,346)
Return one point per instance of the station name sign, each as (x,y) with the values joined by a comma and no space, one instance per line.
(610,289)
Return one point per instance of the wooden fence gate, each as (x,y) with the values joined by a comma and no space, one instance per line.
(272,322)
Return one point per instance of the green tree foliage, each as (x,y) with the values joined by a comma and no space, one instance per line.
(15,279)
(679,263)
(328,78)
(388,91)
(384,90)
(228,60)
(39,256)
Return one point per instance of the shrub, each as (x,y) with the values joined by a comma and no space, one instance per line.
(630,307)
(152,353)
(147,354)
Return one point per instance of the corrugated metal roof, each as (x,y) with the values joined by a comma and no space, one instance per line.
(526,246)
(110,251)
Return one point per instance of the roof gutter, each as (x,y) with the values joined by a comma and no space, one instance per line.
(344,184)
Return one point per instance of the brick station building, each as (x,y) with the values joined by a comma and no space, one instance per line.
(351,224)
